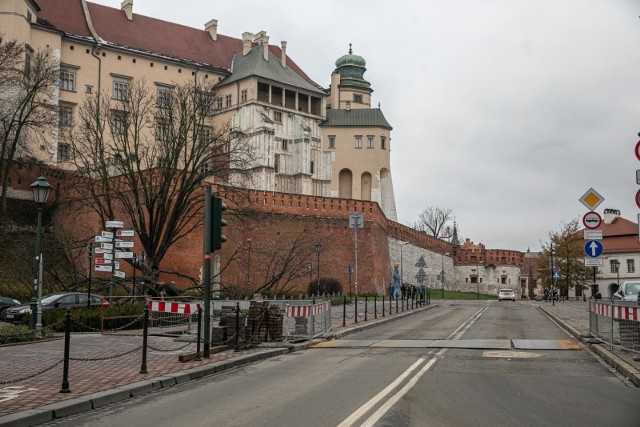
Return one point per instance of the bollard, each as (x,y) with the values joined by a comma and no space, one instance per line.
(411,301)
(382,305)
(266,322)
(355,309)
(198,358)
(237,348)
(366,308)
(67,339)
(396,305)
(375,306)
(145,331)
(344,311)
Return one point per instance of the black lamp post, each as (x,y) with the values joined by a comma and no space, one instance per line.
(41,190)
(478,281)
(249,241)
(617,264)
(318,249)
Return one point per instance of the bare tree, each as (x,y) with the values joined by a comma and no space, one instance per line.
(147,157)
(436,222)
(28,81)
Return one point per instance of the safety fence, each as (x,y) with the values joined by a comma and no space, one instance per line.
(616,323)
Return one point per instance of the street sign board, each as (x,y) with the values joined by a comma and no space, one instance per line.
(107,234)
(592,220)
(106,246)
(591,199)
(121,254)
(116,265)
(637,150)
(593,262)
(99,267)
(114,224)
(556,275)
(638,176)
(102,261)
(125,233)
(356,220)
(592,234)
(107,255)
(593,248)
(124,244)
(638,198)
(119,274)
(100,239)
(98,250)
(421,262)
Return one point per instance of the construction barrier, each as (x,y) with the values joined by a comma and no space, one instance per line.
(305,320)
(616,323)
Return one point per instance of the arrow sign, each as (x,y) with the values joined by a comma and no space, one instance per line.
(593,248)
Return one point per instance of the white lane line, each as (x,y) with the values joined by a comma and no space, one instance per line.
(378,397)
(387,390)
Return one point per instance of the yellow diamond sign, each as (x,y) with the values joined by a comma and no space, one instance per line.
(591,199)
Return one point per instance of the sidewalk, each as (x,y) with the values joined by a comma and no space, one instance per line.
(106,368)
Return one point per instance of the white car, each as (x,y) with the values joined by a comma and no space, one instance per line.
(506,294)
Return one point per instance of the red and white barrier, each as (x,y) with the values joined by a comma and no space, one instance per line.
(173,307)
(616,311)
(305,310)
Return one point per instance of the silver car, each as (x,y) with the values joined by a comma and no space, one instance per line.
(628,291)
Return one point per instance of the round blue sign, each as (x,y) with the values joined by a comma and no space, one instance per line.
(593,248)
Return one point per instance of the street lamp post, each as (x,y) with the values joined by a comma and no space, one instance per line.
(478,280)
(442,272)
(402,263)
(318,249)
(249,241)
(617,264)
(41,190)
(349,272)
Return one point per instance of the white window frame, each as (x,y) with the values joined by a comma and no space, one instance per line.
(121,87)
(163,98)
(370,143)
(358,141)
(67,80)
(332,141)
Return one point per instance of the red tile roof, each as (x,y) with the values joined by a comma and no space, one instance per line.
(147,34)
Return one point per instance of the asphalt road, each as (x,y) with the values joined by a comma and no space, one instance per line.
(391,376)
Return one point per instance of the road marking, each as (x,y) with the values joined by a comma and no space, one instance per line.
(404,390)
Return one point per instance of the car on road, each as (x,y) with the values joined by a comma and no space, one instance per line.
(5,303)
(506,294)
(59,300)
(628,291)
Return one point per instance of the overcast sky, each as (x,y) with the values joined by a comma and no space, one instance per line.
(504,111)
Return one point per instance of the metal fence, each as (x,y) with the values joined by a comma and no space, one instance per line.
(616,323)
(306,320)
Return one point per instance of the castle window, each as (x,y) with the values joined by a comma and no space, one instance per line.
(121,88)
(163,99)
(227,101)
(68,80)
(358,141)
(311,167)
(631,266)
(277,116)
(369,141)
(162,130)
(383,143)
(285,145)
(218,103)
(276,163)
(332,142)
(63,152)
(357,98)
(119,122)
(65,115)
(243,96)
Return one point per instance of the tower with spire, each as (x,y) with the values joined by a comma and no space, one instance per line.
(359,137)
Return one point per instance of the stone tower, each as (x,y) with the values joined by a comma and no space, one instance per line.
(358,137)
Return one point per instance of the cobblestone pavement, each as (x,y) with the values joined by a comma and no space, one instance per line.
(104,362)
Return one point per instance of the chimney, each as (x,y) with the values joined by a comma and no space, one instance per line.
(265,44)
(283,47)
(212,28)
(610,215)
(246,43)
(127,7)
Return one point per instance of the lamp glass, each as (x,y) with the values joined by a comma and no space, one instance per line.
(41,190)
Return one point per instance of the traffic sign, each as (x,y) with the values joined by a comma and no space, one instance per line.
(119,274)
(107,234)
(556,275)
(120,254)
(356,220)
(103,268)
(100,239)
(638,198)
(638,176)
(637,150)
(592,220)
(125,233)
(106,246)
(116,265)
(102,261)
(98,250)
(114,224)
(593,262)
(124,244)
(593,248)
(591,199)
(107,255)
(592,235)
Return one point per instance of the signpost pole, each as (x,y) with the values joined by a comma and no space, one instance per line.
(90,258)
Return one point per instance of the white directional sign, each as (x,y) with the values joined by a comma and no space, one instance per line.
(100,239)
(593,262)
(124,244)
(116,265)
(592,234)
(593,248)
(103,268)
(107,234)
(125,233)
(120,254)
(114,224)
(356,220)
(107,255)
(99,261)
(106,246)
(98,250)
(119,274)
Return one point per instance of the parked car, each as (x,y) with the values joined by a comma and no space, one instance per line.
(59,300)
(507,294)
(5,303)
(628,291)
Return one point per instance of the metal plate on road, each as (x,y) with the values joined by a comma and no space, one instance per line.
(345,344)
(545,345)
(403,343)
(474,344)
(510,354)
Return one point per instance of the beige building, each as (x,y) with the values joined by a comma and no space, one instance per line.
(307,140)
